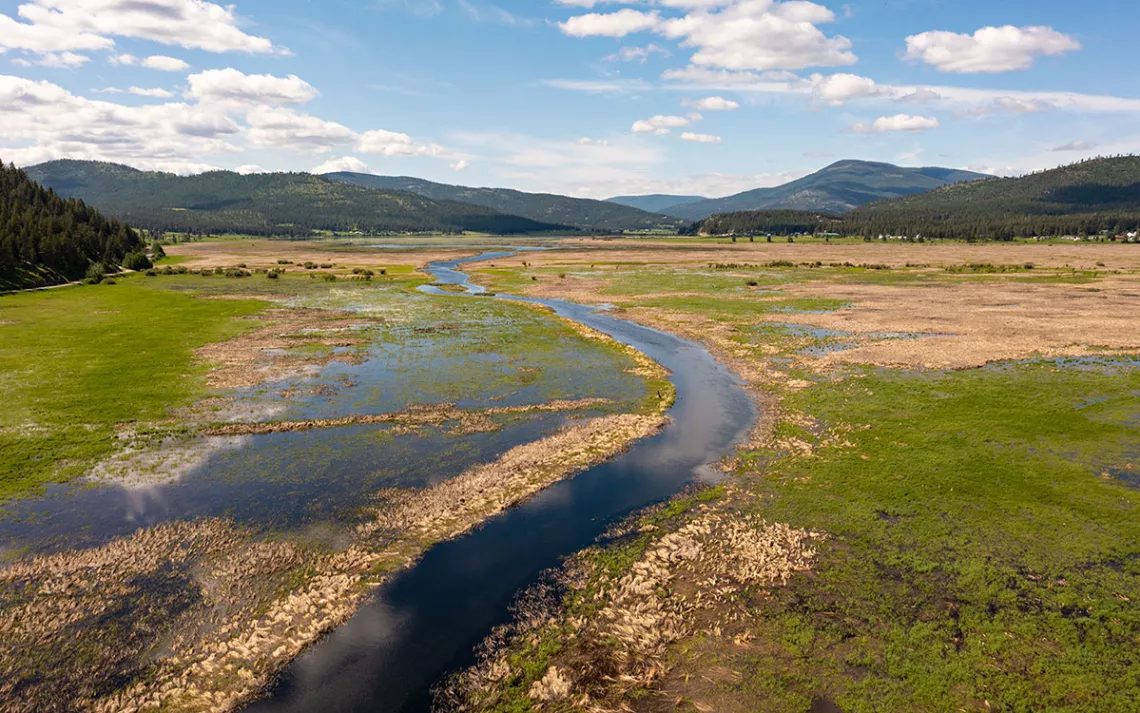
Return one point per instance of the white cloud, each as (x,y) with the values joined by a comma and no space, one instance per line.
(730,34)
(347,163)
(838,89)
(64,60)
(156,92)
(231,86)
(70,25)
(614,24)
(637,54)
(249,168)
(280,128)
(459,165)
(899,122)
(661,124)
(1078,145)
(494,14)
(165,64)
(715,104)
(990,49)
(391,143)
(587,141)
(700,138)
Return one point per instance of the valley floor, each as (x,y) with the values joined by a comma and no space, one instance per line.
(937,512)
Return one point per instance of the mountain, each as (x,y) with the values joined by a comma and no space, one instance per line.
(45,239)
(840,187)
(655,203)
(265,204)
(1090,197)
(579,212)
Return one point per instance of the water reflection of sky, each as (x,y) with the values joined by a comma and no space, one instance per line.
(293,480)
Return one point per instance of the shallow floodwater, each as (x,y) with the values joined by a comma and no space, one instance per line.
(295,480)
(426,621)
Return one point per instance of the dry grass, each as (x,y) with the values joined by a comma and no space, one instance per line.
(466,421)
(693,579)
(266,253)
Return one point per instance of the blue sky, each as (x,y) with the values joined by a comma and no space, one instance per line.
(585,97)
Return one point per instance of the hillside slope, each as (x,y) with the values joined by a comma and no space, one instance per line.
(840,187)
(579,212)
(655,202)
(265,204)
(1087,198)
(45,239)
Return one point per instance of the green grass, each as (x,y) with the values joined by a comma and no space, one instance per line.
(77,361)
(975,554)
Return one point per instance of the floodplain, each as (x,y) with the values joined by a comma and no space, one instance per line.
(935,509)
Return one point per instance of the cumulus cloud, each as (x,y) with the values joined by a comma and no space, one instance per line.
(281,128)
(347,163)
(249,168)
(898,122)
(459,165)
(730,34)
(700,138)
(62,60)
(165,64)
(715,104)
(231,86)
(990,49)
(42,121)
(47,26)
(838,89)
(660,124)
(391,143)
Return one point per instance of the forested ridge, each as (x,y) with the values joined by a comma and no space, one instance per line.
(269,204)
(582,213)
(46,239)
(1086,198)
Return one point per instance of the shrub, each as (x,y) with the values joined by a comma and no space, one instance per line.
(95,273)
(284,262)
(137,261)
(272,274)
(157,251)
(152,273)
(751,283)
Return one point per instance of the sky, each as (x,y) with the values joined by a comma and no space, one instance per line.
(592,98)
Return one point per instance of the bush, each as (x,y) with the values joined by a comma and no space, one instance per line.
(152,273)
(95,273)
(272,274)
(157,251)
(137,261)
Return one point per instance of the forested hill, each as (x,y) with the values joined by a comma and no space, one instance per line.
(842,186)
(655,202)
(579,212)
(46,239)
(1087,198)
(1083,198)
(266,204)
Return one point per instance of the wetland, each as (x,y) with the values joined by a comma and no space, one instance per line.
(614,475)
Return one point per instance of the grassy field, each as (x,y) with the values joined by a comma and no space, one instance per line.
(75,362)
(979,549)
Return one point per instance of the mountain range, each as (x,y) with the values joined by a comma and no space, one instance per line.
(840,187)
(543,207)
(1087,198)
(266,204)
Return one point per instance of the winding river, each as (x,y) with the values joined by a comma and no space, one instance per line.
(426,622)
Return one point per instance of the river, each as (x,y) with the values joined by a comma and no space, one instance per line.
(427,621)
